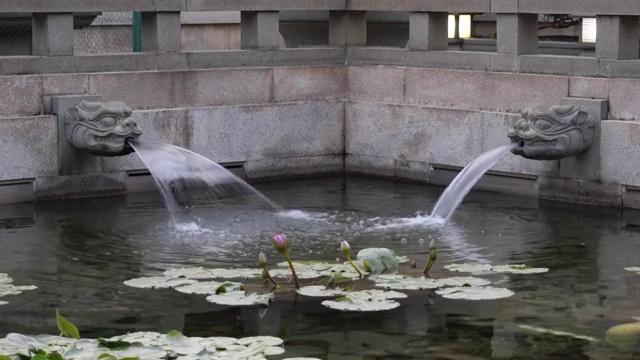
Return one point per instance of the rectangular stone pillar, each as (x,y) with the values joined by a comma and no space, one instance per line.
(161,31)
(517,34)
(259,30)
(52,34)
(617,37)
(347,28)
(428,31)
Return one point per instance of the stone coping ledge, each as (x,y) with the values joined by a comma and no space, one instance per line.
(33,65)
(450,6)
(574,7)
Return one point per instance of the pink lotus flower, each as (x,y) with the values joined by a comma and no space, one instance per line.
(280,243)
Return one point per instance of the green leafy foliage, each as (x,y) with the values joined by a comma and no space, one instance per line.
(66,327)
(114,345)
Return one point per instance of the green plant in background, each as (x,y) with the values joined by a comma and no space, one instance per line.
(262,261)
(346,250)
(432,257)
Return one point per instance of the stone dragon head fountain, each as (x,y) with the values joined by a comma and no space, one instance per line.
(552,133)
(101,128)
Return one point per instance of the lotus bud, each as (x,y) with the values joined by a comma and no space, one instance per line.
(346,249)
(432,245)
(280,243)
(262,260)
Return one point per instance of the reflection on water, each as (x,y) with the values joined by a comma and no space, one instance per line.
(79,252)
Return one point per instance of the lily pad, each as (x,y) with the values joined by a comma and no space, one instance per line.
(158,282)
(633,269)
(217,273)
(375,295)
(267,340)
(320,291)
(200,287)
(382,260)
(10,289)
(240,298)
(3,303)
(5,279)
(483,268)
(400,282)
(556,332)
(361,305)
(474,293)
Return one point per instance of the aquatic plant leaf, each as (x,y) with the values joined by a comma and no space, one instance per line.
(403,259)
(382,260)
(114,345)
(240,298)
(180,344)
(474,293)
(3,303)
(217,273)
(55,356)
(5,357)
(5,279)
(374,295)
(361,305)
(483,268)
(66,327)
(556,332)
(267,340)
(320,291)
(25,341)
(633,269)
(401,282)
(201,288)
(158,282)
(39,357)
(301,358)
(10,289)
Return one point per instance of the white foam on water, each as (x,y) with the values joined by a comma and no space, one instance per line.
(303,215)
(417,221)
(192,228)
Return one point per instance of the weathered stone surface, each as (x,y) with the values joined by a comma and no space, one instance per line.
(297,166)
(259,30)
(20,65)
(369,165)
(185,88)
(167,126)
(589,87)
(504,62)
(347,28)
(161,31)
(376,83)
(412,170)
(21,95)
(66,187)
(262,58)
(30,147)
(500,91)
(440,136)
(309,83)
(619,149)
(464,60)
(240,133)
(12,192)
(624,99)
(52,34)
(428,31)
(580,191)
(99,63)
(618,37)
(65,84)
(495,127)
(559,65)
(453,6)
(104,184)
(517,34)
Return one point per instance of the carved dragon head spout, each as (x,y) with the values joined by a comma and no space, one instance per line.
(551,133)
(101,128)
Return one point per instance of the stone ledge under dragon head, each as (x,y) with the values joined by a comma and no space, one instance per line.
(101,128)
(552,133)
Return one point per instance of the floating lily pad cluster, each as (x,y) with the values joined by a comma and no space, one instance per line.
(634,269)
(147,345)
(483,268)
(8,288)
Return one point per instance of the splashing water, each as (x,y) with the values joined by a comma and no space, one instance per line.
(466,179)
(185,178)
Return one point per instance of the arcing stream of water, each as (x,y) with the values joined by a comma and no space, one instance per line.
(466,179)
(184,177)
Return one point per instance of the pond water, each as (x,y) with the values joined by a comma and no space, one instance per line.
(79,253)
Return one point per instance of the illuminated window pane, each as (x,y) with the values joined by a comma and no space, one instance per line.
(452,26)
(589,30)
(465,26)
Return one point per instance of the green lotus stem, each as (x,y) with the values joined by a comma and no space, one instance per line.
(267,275)
(354,266)
(293,271)
(383,263)
(55,343)
(432,257)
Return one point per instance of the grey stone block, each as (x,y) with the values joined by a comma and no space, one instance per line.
(259,30)
(428,31)
(618,155)
(20,65)
(254,132)
(619,68)
(618,37)
(170,5)
(631,200)
(264,58)
(464,60)
(375,83)
(65,84)
(369,165)
(589,87)
(502,92)
(309,83)
(504,62)
(71,160)
(412,170)
(504,6)
(315,165)
(624,99)
(559,65)
(29,147)
(492,181)
(517,34)
(166,126)
(67,187)
(161,31)
(140,182)
(238,5)
(13,192)
(579,7)
(173,89)
(266,168)
(586,166)
(21,95)
(60,6)
(440,136)
(99,63)
(580,191)
(451,6)
(52,34)
(104,184)
(172,61)
(347,28)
